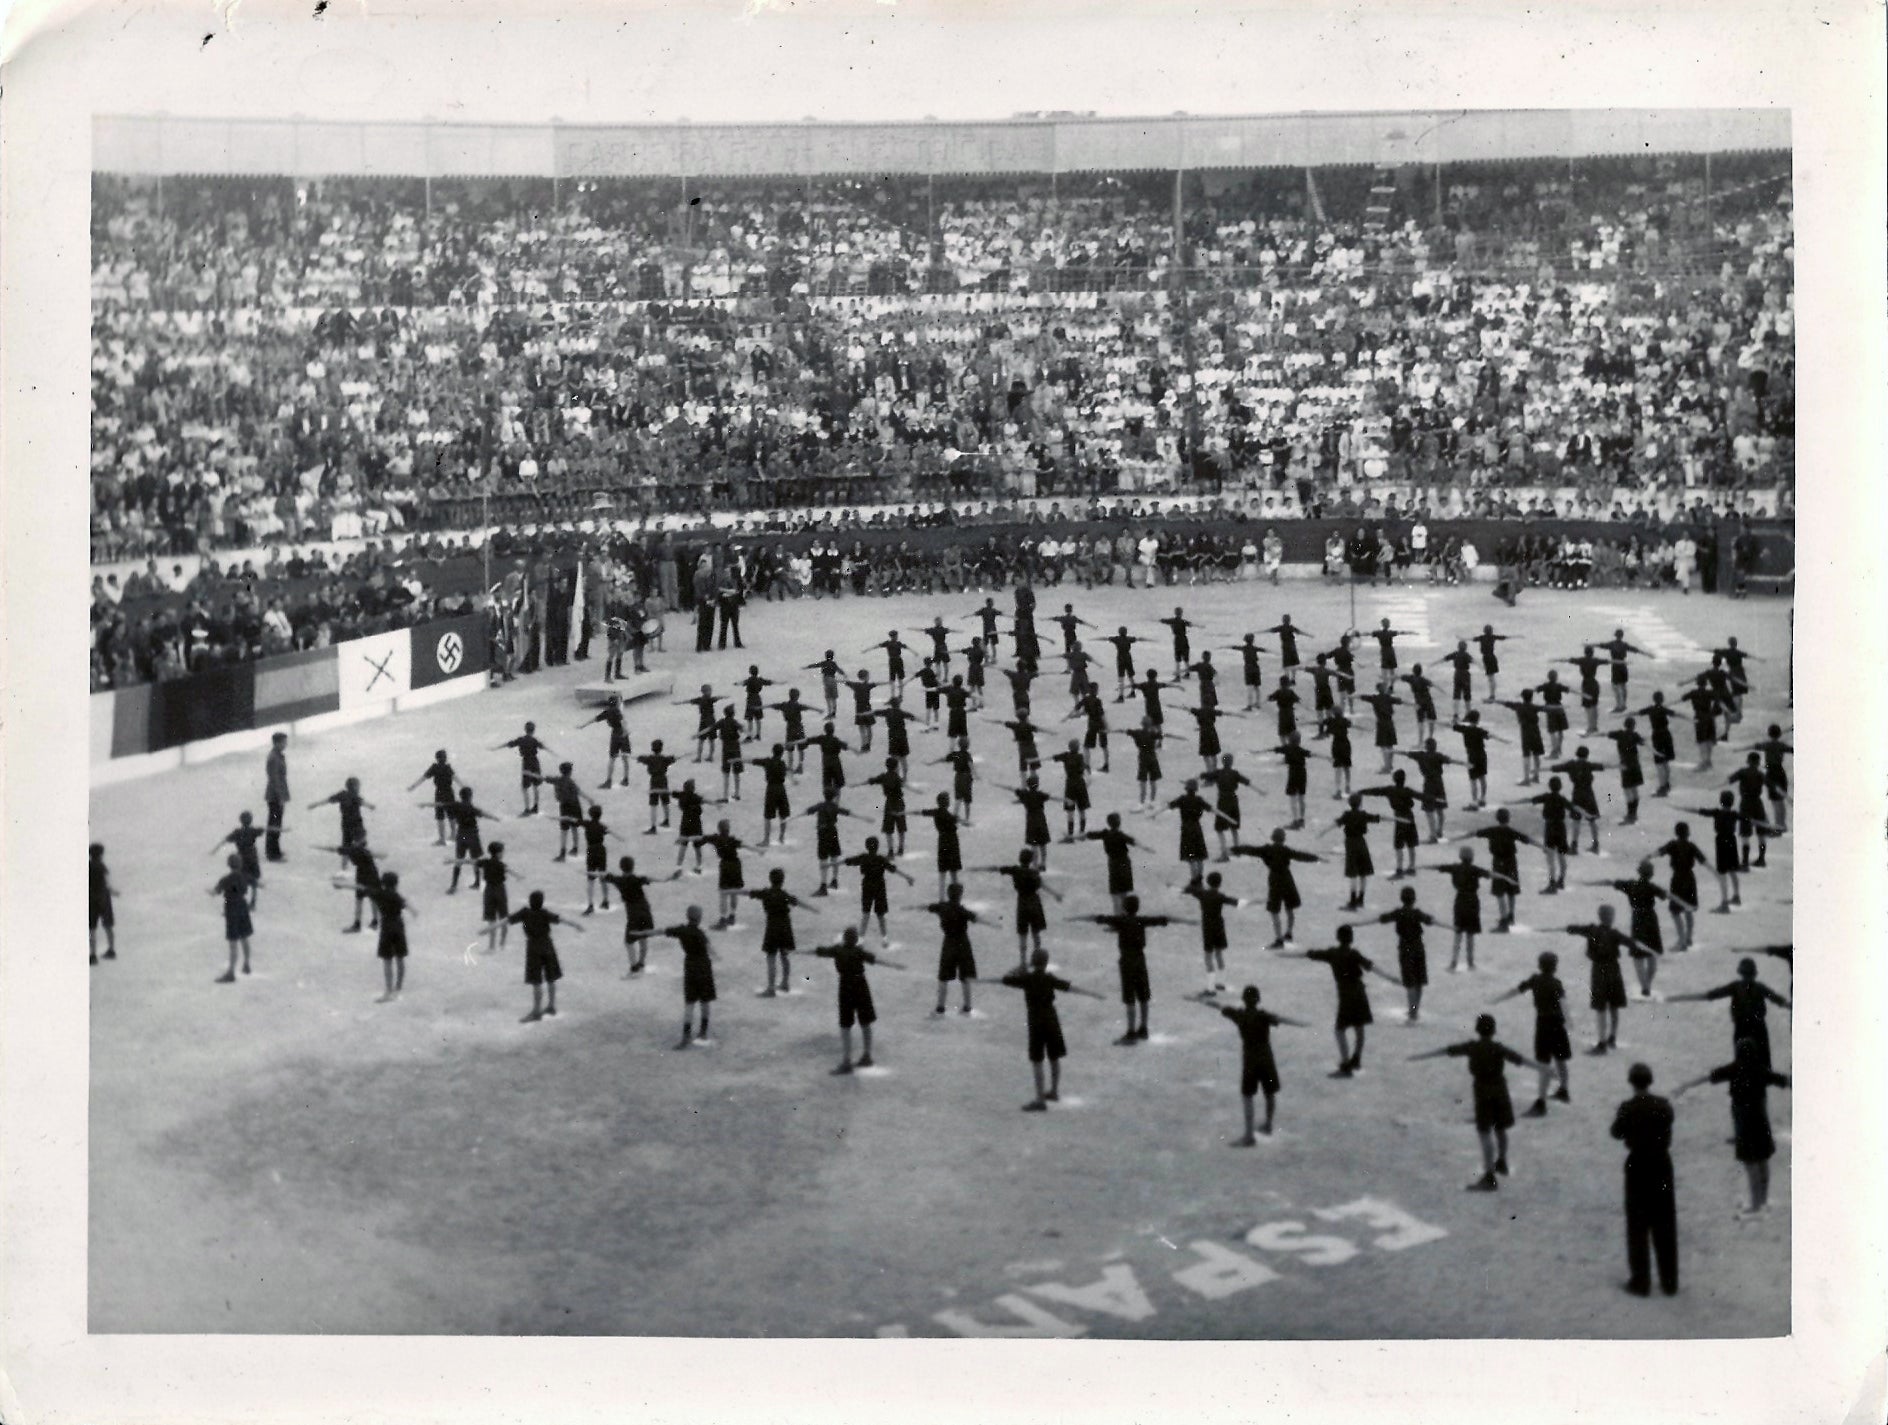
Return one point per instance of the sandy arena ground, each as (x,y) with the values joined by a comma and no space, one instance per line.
(287,1155)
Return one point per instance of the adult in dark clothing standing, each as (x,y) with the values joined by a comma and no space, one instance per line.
(730,602)
(276,794)
(704,622)
(1644,1124)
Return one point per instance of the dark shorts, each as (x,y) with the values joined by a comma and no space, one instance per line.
(1468,916)
(658,798)
(100,914)
(1121,879)
(1192,844)
(827,847)
(1631,777)
(1045,1039)
(1493,1108)
(1609,985)
(1353,1007)
(392,944)
(730,878)
(497,902)
(541,966)
(774,804)
(873,902)
(1284,897)
(1256,1073)
(698,981)
(1554,837)
(956,962)
(236,924)
(777,941)
(1403,835)
(619,746)
(596,860)
(1134,982)
(1077,797)
(855,1003)
(1029,917)
(1413,966)
(1551,1045)
(1556,719)
(893,821)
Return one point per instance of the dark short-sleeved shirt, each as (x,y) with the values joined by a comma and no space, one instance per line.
(537,925)
(1548,993)
(1488,1060)
(1039,990)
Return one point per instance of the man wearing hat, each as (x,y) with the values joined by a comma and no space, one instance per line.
(1644,1124)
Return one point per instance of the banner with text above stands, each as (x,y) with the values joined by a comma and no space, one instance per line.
(376,669)
(450,648)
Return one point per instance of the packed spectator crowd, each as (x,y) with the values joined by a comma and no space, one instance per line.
(279,362)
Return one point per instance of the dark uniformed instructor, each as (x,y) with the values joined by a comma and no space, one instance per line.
(1644,1124)
(276,795)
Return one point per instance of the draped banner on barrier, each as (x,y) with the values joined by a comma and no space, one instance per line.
(238,697)
(450,648)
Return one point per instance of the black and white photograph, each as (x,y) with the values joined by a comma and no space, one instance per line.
(734,704)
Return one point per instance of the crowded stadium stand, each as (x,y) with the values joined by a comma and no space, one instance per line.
(321,343)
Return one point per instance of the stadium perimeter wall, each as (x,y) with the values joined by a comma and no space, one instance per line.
(155,727)
(180,144)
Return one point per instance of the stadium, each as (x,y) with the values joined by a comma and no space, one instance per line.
(407,436)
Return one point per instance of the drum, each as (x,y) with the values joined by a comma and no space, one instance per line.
(652,626)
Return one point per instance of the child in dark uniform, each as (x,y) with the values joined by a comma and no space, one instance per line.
(956,960)
(1348,968)
(234,889)
(1684,857)
(392,948)
(636,913)
(244,838)
(1748,998)
(496,907)
(100,911)
(1258,1071)
(1412,954)
(777,904)
(1750,1078)
(1488,1060)
(689,804)
(698,973)
(596,859)
(441,775)
(1552,1046)
(467,846)
(1039,989)
(1214,903)
(850,958)
(542,970)
(353,825)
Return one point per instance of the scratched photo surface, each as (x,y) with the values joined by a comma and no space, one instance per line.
(394,339)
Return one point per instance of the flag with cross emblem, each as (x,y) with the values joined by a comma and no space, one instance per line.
(448,649)
(376,669)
